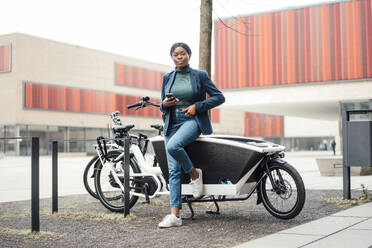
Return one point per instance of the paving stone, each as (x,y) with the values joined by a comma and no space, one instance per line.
(280,240)
(324,226)
(360,211)
(346,238)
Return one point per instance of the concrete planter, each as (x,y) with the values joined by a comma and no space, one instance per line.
(332,166)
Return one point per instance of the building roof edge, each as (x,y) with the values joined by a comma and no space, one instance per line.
(281,9)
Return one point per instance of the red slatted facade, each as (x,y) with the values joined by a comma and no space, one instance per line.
(314,44)
(5,58)
(215,115)
(263,125)
(128,75)
(50,97)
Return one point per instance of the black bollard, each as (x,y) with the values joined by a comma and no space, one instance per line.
(346,182)
(35,208)
(126,158)
(54,176)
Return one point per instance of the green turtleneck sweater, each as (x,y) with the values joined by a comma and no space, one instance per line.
(182,88)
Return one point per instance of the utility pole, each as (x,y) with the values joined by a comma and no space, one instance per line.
(205,36)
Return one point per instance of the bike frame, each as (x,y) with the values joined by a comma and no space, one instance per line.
(147,170)
(240,188)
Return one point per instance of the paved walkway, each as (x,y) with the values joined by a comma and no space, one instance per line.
(348,228)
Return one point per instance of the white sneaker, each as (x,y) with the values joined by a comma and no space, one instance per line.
(197,185)
(170,220)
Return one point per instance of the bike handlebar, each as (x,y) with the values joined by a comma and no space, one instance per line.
(143,103)
(134,105)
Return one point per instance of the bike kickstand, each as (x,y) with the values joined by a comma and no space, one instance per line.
(217,212)
(189,204)
(146,191)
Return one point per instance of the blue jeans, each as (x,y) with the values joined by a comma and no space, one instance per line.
(183,131)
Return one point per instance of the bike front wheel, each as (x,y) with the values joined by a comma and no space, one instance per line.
(286,199)
(108,190)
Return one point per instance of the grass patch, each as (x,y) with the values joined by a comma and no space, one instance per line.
(365,197)
(80,215)
(157,202)
(12,215)
(33,235)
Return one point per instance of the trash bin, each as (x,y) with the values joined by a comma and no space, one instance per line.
(358,138)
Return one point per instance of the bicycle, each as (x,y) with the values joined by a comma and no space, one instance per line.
(146,179)
(89,171)
(232,166)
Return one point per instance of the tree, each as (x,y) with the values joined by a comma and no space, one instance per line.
(205,36)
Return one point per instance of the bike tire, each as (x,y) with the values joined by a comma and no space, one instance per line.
(108,192)
(88,177)
(291,185)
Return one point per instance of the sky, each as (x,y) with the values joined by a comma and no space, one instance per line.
(142,29)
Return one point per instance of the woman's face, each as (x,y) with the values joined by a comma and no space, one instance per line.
(180,57)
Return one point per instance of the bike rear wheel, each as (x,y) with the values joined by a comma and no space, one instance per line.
(287,199)
(109,192)
(88,176)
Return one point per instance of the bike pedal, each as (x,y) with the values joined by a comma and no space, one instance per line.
(146,192)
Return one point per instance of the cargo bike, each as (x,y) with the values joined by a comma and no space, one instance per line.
(233,167)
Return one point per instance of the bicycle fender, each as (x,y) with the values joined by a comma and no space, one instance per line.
(278,161)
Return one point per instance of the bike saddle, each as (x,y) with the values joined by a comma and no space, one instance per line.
(158,127)
(122,128)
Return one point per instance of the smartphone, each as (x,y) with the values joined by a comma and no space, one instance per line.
(169,95)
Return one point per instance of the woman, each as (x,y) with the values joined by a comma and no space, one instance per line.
(185,108)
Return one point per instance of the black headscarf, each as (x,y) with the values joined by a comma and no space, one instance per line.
(180,44)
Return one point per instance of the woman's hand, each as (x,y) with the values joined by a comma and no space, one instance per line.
(169,102)
(190,111)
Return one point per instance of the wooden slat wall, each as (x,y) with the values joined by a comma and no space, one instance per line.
(50,97)
(5,58)
(314,44)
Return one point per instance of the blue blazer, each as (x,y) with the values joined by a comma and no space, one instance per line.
(201,84)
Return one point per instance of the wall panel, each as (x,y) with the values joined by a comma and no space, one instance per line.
(50,97)
(5,58)
(215,115)
(261,125)
(128,75)
(327,42)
